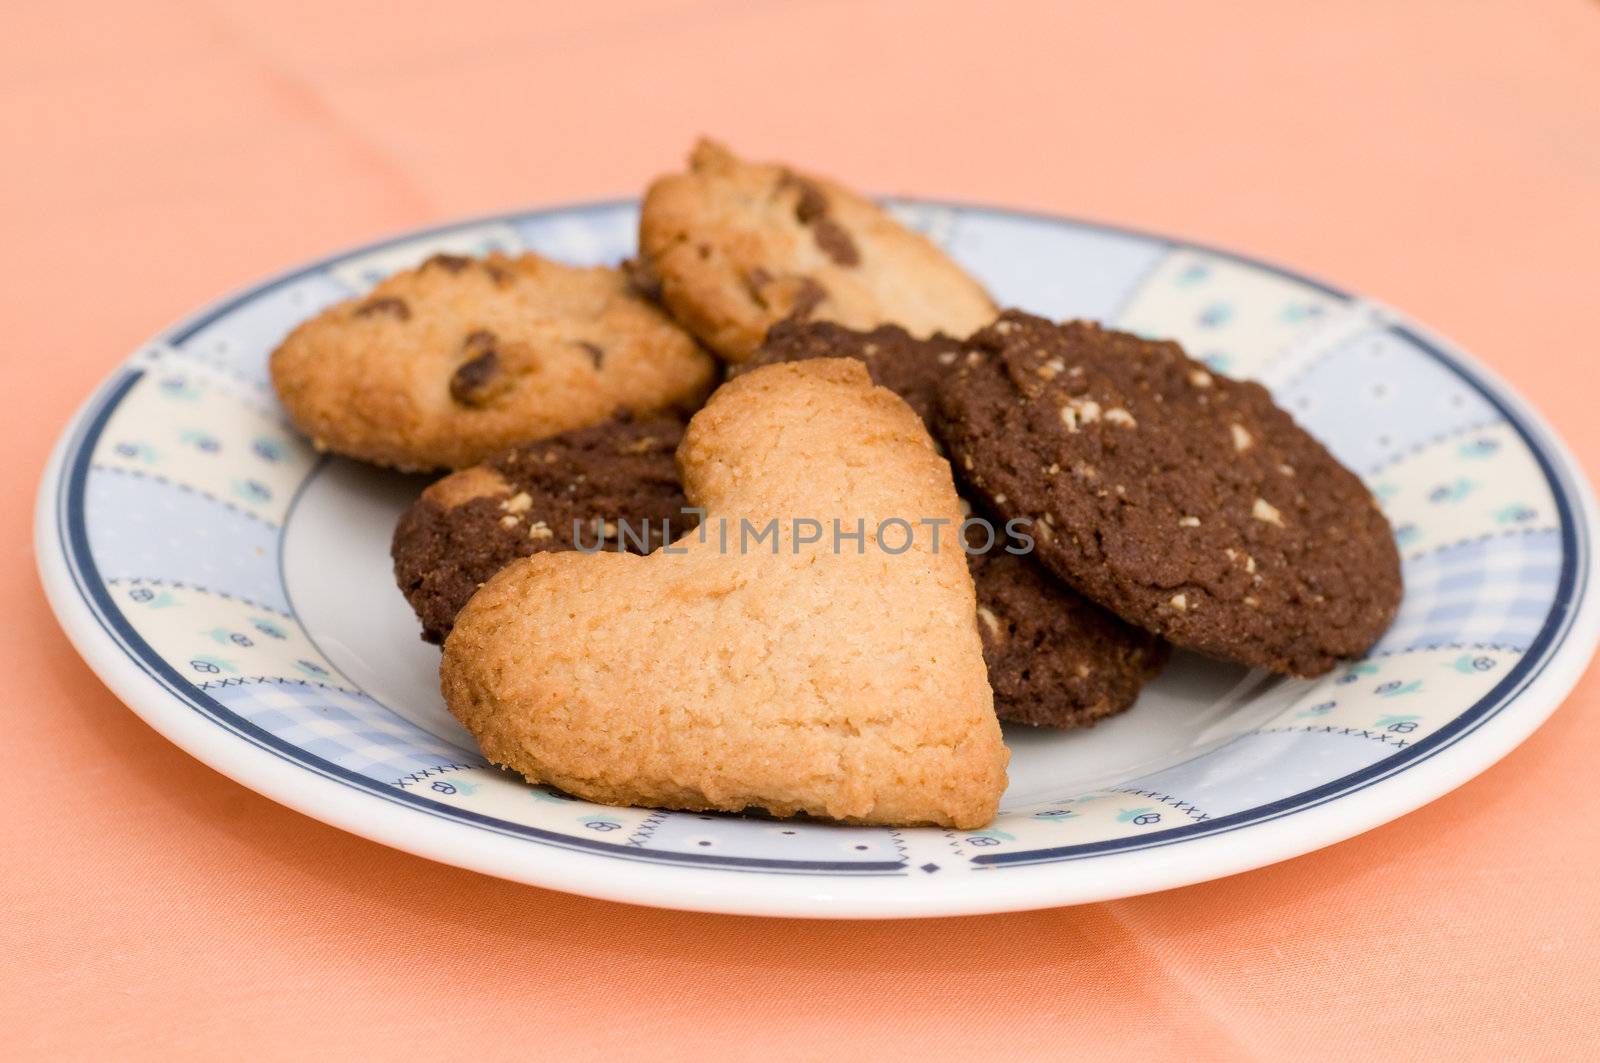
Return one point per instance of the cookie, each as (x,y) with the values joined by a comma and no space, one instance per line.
(737,246)
(448,363)
(895,359)
(1055,659)
(798,677)
(1184,501)
(582,488)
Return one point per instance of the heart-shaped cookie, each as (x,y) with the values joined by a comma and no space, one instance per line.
(840,677)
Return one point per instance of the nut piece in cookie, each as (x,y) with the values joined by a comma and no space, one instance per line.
(1055,659)
(737,246)
(792,676)
(1180,499)
(448,363)
(613,485)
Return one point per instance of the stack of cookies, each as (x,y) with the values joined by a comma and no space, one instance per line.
(784,513)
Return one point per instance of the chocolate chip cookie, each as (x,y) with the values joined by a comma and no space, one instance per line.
(610,484)
(1184,501)
(736,246)
(445,364)
(1055,659)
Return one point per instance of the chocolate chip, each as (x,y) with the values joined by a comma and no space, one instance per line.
(754,282)
(642,277)
(449,263)
(597,353)
(501,276)
(812,203)
(478,379)
(806,299)
(386,306)
(835,242)
(471,384)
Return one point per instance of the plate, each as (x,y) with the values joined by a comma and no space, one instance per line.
(233,587)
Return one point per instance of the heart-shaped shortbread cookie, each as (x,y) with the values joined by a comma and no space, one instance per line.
(839,678)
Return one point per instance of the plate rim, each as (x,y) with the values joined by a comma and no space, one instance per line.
(397,824)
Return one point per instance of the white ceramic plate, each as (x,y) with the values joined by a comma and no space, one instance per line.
(234,588)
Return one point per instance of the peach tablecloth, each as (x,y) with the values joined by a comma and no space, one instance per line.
(1443,157)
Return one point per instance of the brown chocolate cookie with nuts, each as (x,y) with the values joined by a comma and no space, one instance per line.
(736,246)
(895,359)
(611,484)
(448,363)
(1054,658)
(1182,500)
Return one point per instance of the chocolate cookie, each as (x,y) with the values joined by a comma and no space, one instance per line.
(445,364)
(1054,658)
(1182,500)
(895,359)
(736,246)
(614,482)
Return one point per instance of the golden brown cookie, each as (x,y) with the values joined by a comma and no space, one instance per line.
(736,246)
(445,364)
(783,674)
(1055,659)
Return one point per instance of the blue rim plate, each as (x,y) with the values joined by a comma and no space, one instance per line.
(232,587)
